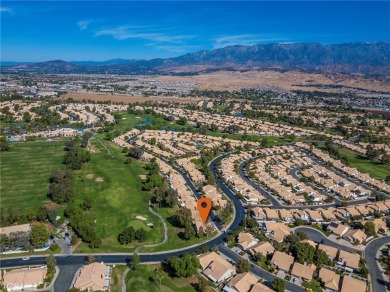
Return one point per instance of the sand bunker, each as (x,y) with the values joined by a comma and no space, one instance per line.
(141,218)
(143,176)
(90,176)
(99,179)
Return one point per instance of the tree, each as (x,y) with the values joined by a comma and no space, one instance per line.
(140,234)
(385,159)
(39,235)
(135,152)
(321,258)
(189,232)
(242,266)
(202,284)
(4,144)
(304,252)
(135,261)
(60,186)
(369,228)
(184,267)
(90,259)
(279,285)
(87,203)
(51,262)
(182,121)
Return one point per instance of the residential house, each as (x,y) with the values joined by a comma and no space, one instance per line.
(329,279)
(303,272)
(216,268)
(332,252)
(338,229)
(351,284)
(241,283)
(93,277)
(355,236)
(350,261)
(264,248)
(24,279)
(246,240)
(282,261)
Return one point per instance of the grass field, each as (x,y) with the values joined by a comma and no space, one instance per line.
(117,200)
(363,164)
(116,280)
(25,172)
(144,279)
(174,240)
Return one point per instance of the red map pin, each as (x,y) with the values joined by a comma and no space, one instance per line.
(204,206)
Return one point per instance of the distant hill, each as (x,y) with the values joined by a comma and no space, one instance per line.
(364,58)
(102,63)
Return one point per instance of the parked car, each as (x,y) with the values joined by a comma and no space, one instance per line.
(25,259)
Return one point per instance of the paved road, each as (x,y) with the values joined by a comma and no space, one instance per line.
(317,236)
(378,280)
(259,272)
(70,264)
(271,198)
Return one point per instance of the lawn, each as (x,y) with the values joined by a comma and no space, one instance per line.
(174,240)
(25,172)
(363,164)
(144,279)
(118,198)
(116,280)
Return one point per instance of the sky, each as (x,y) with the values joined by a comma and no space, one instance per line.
(73,31)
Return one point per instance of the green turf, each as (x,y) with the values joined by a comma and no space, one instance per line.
(144,279)
(365,165)
(174,240)
(116,280)
(25,172)
(117,200)
(362,163)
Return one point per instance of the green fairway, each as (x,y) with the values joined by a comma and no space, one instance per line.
(363,164)
(144,279)
(116,190)
(25,172)
(174,240)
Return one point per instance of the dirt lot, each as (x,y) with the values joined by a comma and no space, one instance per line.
(127,99)
(227,80)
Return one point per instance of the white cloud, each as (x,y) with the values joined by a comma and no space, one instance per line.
(6,9)
(83,24)
(140,32)
(244,39)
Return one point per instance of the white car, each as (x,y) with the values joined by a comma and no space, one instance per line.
(25,259)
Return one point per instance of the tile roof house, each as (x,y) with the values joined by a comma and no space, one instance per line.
(246,240)
(355,236)
(15,228)
(264,248)
(282,261)
(330,279)
(351,284)
(329,250)
(258,287)
(337,229)
(350,261)
(303,272)
(24,279)
(216,268)
(241,283)
(93,277)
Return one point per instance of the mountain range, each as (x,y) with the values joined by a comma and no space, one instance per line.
(363,58)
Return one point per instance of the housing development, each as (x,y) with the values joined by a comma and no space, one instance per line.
(224,154)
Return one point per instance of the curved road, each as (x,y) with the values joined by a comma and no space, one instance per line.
(70,264)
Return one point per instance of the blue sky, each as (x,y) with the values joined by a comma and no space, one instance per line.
(71,30)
